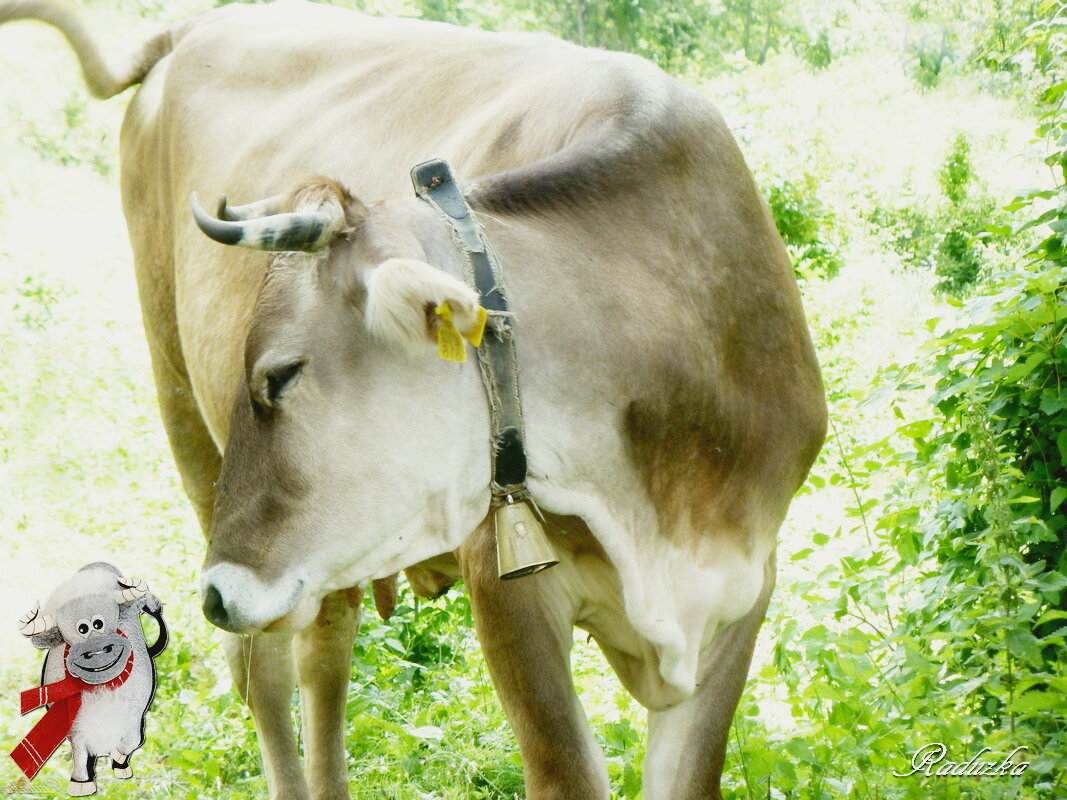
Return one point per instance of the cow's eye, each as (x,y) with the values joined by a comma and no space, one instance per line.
(83,626)
(282,378)
(98,623)
(272,378)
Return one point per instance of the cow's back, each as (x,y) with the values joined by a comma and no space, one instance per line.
(255,98)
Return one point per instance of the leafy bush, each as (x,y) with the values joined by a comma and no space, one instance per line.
(816,50)
(71,142)
(947,622)
(983,531)
(36,302)
(681,36)
(988,34)
(952,239)
(927,57)
(805,225)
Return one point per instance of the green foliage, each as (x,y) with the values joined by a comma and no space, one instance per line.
(679,35)
(927,58)
(623,748)
(36,302)
(951,240)
(1002,35)
(806,227)
(957,173)
(422,713)
(946,623)
(71,140)
(817,50)
(989,34)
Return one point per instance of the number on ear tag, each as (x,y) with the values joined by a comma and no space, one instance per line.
(450,345)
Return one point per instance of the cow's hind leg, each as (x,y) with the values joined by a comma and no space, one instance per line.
(120,764)
(324,664)
(687,743)
(525,628)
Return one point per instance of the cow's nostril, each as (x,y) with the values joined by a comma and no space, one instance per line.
(214,608)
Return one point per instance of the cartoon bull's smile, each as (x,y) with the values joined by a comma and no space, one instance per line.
(99,658)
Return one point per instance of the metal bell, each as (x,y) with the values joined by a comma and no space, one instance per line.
(522,548)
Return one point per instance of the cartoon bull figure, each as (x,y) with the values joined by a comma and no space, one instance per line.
(98,678)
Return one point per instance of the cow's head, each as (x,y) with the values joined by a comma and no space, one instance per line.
(83,613)
(353,450)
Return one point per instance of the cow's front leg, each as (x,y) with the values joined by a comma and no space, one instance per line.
(83,773)
(525,627)
(687,743)
(262,669)
(324,664)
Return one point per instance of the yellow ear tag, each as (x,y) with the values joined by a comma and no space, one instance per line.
(450,345)
(474,335)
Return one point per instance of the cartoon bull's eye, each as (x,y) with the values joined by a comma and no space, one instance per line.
(83,627)
(98,623)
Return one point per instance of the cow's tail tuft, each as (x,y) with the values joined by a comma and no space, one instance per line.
(104,79)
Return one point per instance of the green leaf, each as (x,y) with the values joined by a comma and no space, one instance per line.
(1037,701)
(631,782)
(1059,494)
(1041,220)
(1023,645)
(427,732)
(916,430)
(1051,402)
(1049,582)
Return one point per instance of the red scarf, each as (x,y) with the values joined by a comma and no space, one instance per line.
(65,696)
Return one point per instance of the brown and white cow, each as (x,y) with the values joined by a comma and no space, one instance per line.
(672,397)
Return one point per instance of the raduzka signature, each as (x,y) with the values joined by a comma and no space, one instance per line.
(928,761)
(24,787)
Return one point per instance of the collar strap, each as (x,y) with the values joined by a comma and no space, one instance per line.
(435,184)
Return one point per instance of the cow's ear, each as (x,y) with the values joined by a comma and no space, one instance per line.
(404,298)
(47,640)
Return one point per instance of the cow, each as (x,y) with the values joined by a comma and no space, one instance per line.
(98,676)
(671,395)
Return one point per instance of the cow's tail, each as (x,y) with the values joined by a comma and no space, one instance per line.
(104,79)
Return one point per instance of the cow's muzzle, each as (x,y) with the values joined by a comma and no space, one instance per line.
(236,600)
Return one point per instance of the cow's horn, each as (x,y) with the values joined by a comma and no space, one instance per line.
(130,589)
(260,208)
(33,622)
(296,230)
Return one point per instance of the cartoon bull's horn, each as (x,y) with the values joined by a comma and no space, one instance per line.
(130,589)
(33,622)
